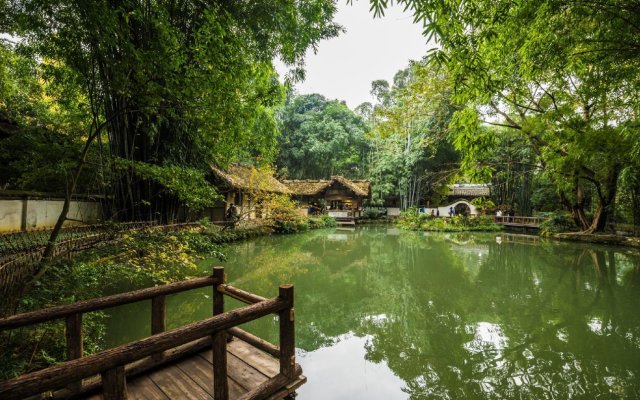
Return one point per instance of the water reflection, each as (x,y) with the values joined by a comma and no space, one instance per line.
(387,314)
(343,371)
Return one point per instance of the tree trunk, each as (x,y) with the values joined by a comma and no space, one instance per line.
(71,187)
(606,201)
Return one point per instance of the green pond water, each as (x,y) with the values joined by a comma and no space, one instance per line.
(387,314)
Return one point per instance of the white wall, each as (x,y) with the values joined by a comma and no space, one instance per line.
(393,211)
(444,210)
(10,215)
(39,213)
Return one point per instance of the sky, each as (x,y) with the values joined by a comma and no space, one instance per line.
(370,49)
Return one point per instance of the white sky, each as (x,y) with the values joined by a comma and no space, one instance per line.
(370,49)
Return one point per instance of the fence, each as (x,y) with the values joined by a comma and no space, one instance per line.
(21,252)
(115,364)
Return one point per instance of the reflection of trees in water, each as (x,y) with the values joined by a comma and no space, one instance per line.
(531,321)
(558,329)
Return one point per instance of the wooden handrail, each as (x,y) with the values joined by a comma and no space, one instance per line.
(112,364)
(239,294)
(255,341)
(58,376)
(63,311)
(520,219)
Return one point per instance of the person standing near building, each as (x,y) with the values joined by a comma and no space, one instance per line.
(231,216)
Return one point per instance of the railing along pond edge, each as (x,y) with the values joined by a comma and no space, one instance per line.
(115,364)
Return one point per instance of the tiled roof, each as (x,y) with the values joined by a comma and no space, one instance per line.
(469,190)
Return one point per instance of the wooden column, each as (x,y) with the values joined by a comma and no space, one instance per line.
(23,215)
(158,312)
(114,384)
(287,334)
(218,297)
(158,318)
(219,339)
(73,334)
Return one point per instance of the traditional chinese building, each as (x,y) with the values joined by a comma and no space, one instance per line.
(241,185)
(337,194)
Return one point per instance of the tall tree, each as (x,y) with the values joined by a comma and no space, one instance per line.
(172,86)
(321,138)
(411,152)
(563,74)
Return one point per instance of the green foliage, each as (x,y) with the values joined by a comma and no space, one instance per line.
(42,116)
(374,213)
(323,221)
(411,153)
(176,86)
(32,348)
(284,216)
(187,184)
(412,219)
(140,259)
(483,204)
(321,138)
(557,223)
(547,71)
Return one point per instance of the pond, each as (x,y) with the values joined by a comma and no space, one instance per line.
(388,314)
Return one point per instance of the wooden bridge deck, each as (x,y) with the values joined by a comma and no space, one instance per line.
(520,222)
(192,377)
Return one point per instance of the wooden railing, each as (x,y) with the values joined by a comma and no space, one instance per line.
(113,365)
(517,220)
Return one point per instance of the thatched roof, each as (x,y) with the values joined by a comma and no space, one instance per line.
(469,190)
(306,187)
(245,177)
(361,188)
(314,187)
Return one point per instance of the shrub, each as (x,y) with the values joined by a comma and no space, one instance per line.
(374,213)
(483,204)
(558,222)
(323,221)
(412,219)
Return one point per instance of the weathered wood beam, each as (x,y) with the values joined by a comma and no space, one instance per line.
(114,384)
(73,334)
(144,365)
(220,379)
(58,376)
(219,343)
(240,294)
(256,342)
(287,333)
(264,390)
(49,314)
(158,313)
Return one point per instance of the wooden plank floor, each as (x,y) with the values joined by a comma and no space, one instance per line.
(192,377)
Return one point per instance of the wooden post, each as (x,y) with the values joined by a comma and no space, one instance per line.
(287,334)
(23,216)
(114,384)
(218,297)
(158,312)
(73,333)
(219,339)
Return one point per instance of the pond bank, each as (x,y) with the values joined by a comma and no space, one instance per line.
(138,259)
(597,238)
